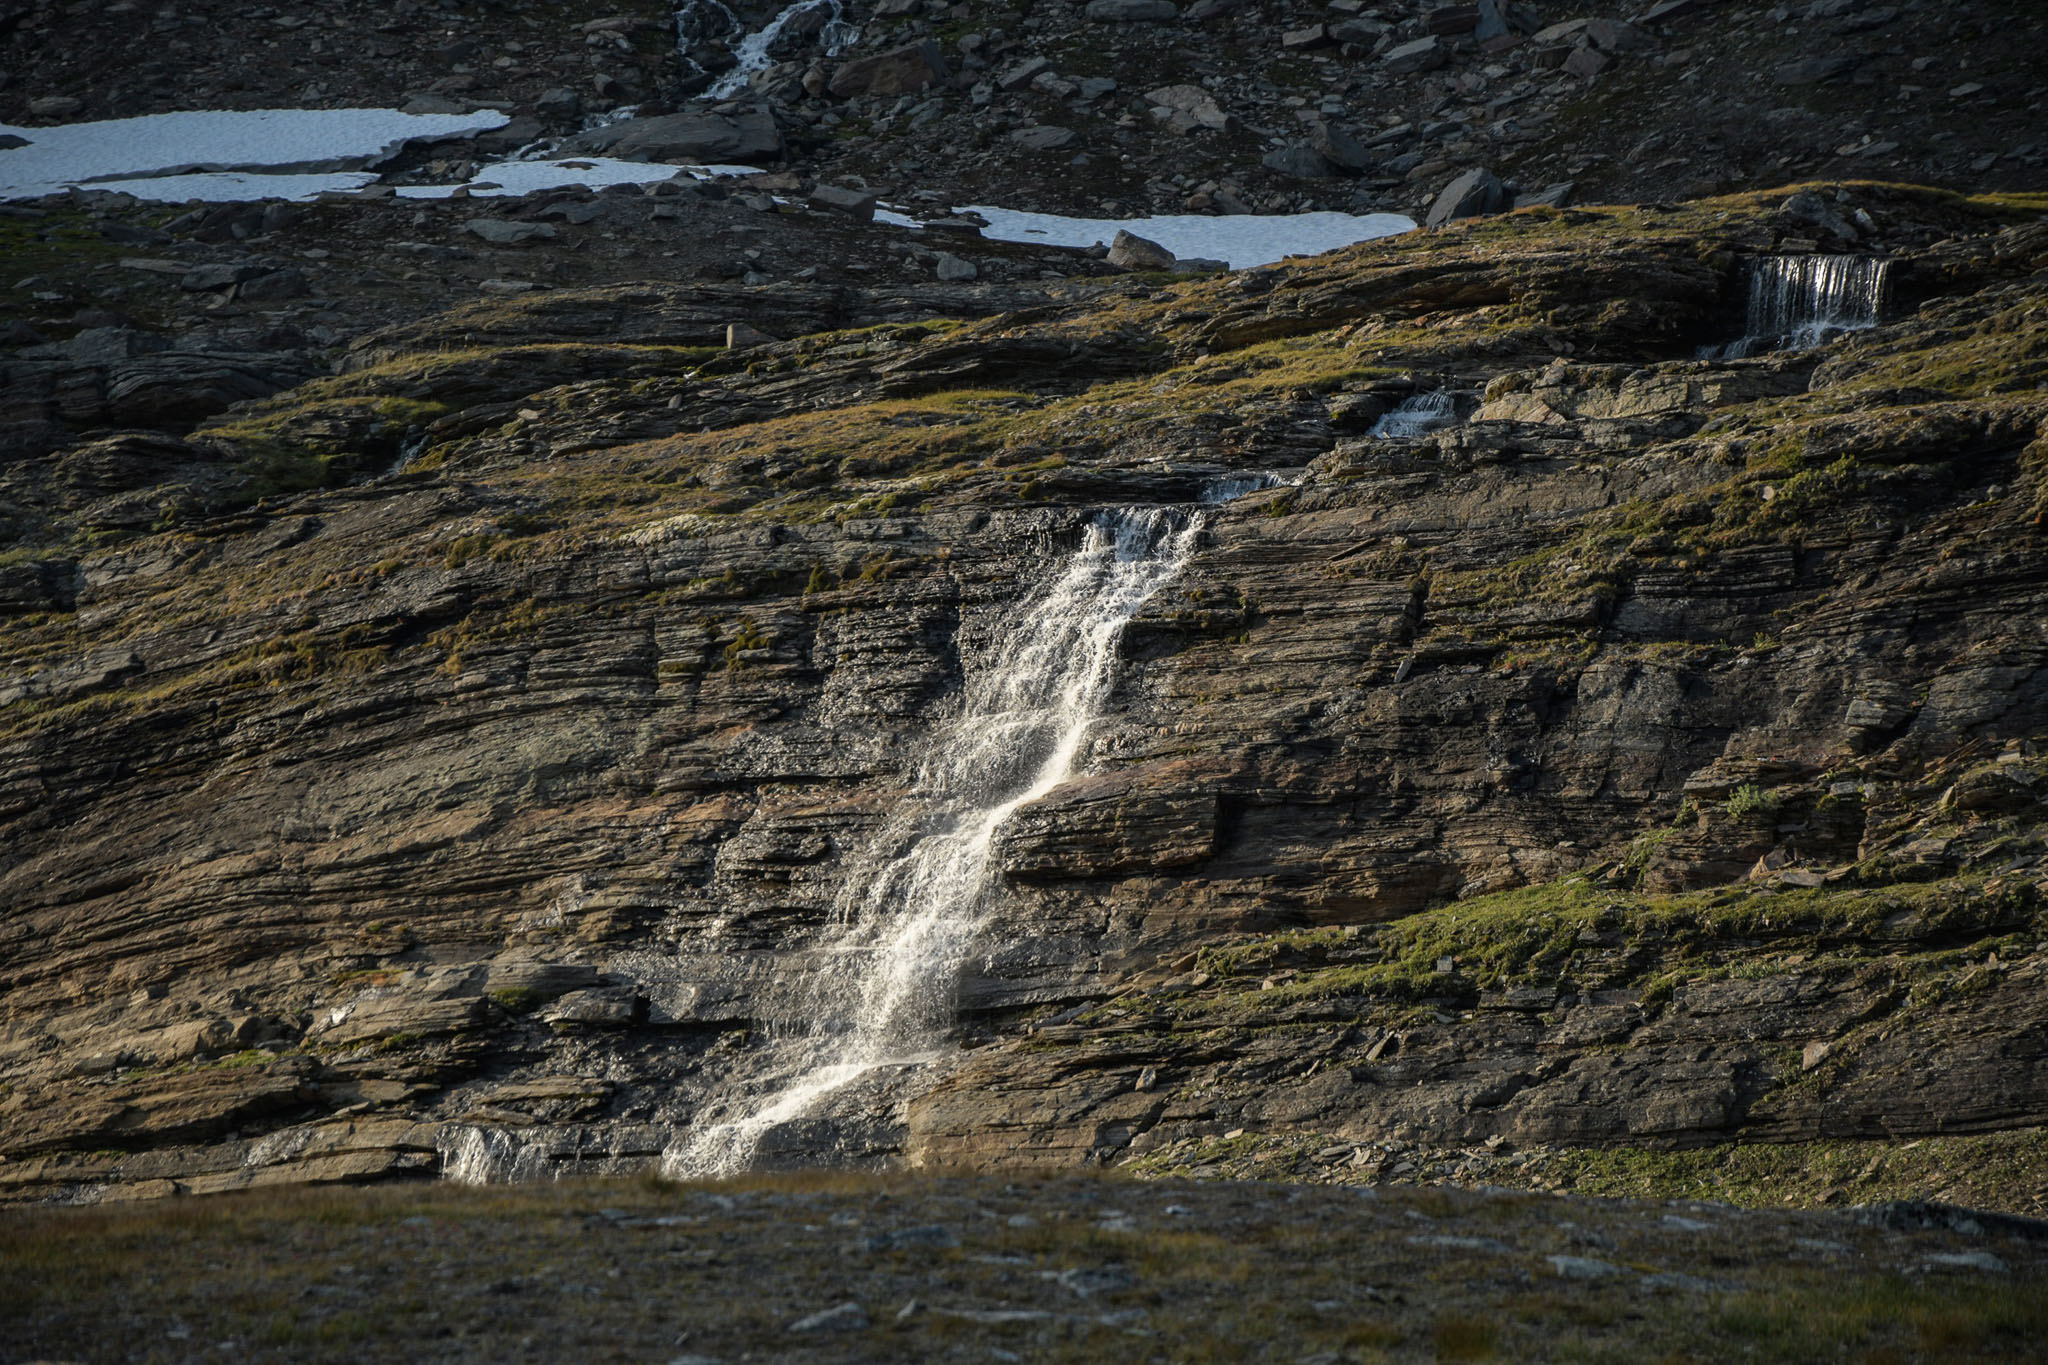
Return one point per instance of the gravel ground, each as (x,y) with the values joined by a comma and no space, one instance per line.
(845,1268)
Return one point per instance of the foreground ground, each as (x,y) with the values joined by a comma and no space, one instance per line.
(866,1268)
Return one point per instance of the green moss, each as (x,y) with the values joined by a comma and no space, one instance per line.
(1534,936)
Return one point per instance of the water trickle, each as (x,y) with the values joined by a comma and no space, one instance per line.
(1800,301)
(1417,416)
(408,450)
(910,914)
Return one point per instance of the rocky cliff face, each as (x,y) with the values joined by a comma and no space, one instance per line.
(470,811)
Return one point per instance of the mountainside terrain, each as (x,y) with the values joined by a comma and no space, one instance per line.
(447,761)
(1140,104)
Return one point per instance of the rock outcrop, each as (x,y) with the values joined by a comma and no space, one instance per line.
(466,808)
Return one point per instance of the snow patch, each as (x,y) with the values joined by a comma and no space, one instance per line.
(1239,239)
(115,153)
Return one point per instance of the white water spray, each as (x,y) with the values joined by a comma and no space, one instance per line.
(702,20)
(911,914)
(1417,416)
(1800,301)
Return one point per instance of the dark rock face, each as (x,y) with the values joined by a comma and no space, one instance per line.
(469,814)
(899,71)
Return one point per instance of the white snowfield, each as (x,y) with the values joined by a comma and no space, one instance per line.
(327,146)
(1241,240)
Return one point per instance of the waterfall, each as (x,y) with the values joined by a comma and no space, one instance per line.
(1417,416)
(1801,301)
(910,914)
(1231,487)
(783,38)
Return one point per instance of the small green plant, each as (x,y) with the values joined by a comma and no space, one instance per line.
(1749,800)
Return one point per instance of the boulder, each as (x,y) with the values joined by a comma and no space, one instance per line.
(1045,137)
(1341,150)
(504,232)
(1364,33)
(1585,62)
(1189,107)
(1424,54)
(1131,11)
(202,279)
(1553,196)
(1296,159)
(854,203)
(559,102)
(750,135)
(1471,195)
(1616,35)
(1132,252)
(1023,73)
(899,71)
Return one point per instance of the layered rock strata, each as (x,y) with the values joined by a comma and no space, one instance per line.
(467,814)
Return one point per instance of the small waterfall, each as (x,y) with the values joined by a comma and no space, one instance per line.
(1230,487)
(1800,301)
(1417,416)
(408,450)
(910,914)
(800,26)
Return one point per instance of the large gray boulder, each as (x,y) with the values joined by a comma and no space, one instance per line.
(1476,192)
(691,136)
(1424,54)
(1132,252)
(1340,149)
(1297,160)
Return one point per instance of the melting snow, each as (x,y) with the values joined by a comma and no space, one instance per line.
(1241,239)
(115,153)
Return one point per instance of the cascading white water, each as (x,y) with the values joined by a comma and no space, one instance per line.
(911,914)
(1230,487)
(1417,416)
(1801,301)
(700,21)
